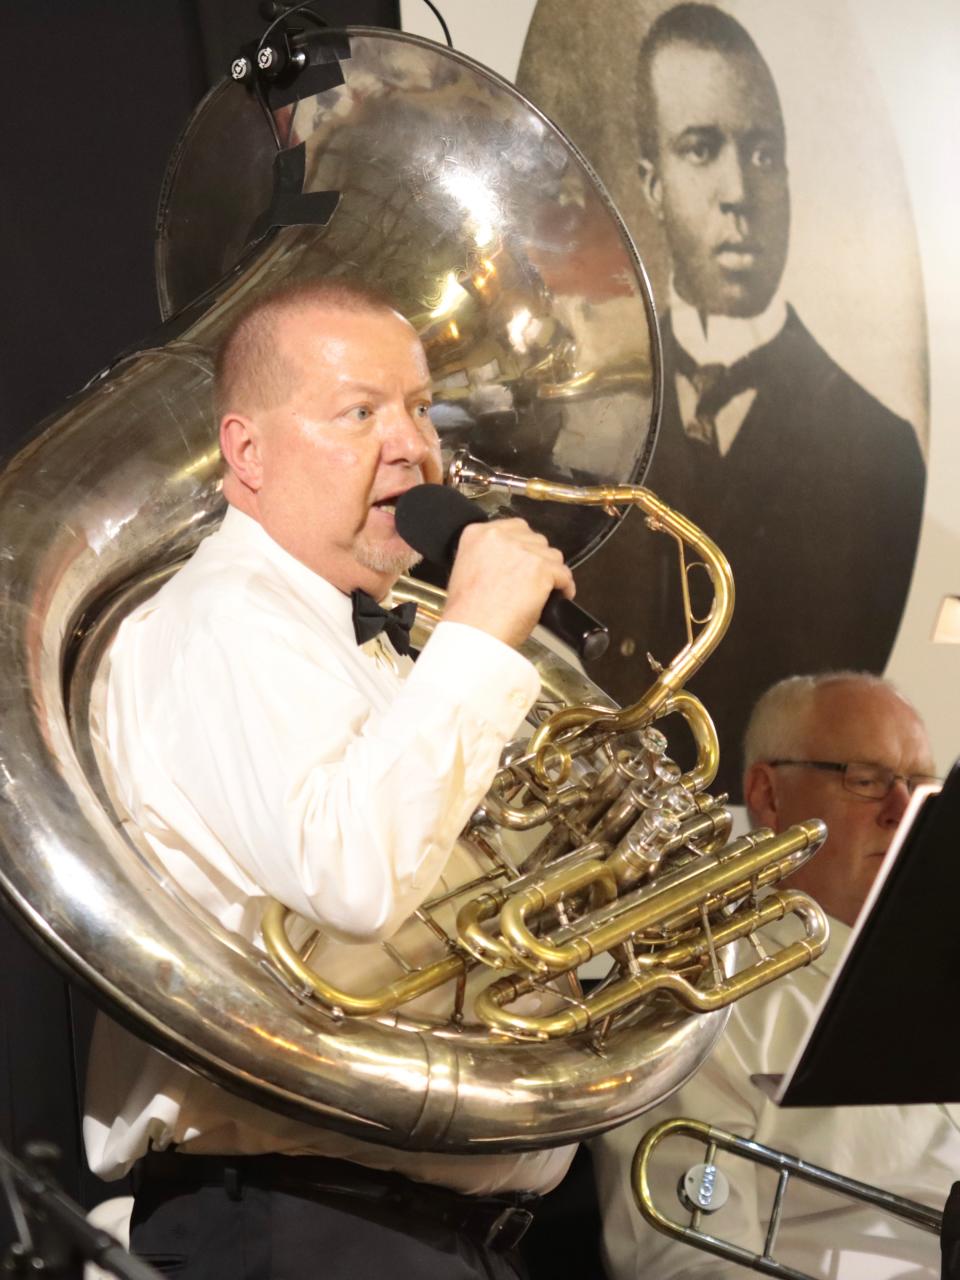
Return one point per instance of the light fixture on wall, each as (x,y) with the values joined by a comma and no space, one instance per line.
(947,627)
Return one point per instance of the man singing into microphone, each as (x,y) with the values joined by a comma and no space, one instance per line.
(271,739)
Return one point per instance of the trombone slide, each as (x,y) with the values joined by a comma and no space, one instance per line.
(787,1167)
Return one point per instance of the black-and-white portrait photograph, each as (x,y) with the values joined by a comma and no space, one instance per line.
(751,155)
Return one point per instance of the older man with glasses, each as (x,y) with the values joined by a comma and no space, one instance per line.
(845,747)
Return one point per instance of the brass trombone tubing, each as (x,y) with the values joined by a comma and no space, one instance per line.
(535,814)
(692,656)
(700,723)
(534,953)
(749,861)
(712,824)
(593,1009)
(744,920)
(921,1215)
(286,957)
(742,863)
(468,473)
(489,948)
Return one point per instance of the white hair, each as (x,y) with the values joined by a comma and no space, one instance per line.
(778,724)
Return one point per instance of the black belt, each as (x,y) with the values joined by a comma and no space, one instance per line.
(497,1222)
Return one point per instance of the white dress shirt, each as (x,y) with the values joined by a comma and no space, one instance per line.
(263,754)
(721,340)
(912,1151)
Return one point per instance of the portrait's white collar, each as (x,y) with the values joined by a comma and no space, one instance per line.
(724,339)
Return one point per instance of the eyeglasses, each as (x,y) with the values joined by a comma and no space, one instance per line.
(868,781)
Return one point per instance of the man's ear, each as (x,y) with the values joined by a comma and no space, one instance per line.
(652,186)
(760,795)
(241,448)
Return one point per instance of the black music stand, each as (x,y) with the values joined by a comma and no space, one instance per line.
(884,1031)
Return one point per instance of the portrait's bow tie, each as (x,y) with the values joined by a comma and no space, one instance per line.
(369,619)
(715,385)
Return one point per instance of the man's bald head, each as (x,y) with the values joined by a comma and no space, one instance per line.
(783,719)
(254,368)
(325,420)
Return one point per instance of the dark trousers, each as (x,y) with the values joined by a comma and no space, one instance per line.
(213,1225)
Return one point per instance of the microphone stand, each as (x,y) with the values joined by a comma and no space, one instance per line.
(55,1238)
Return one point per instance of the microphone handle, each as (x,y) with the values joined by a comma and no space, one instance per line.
(574,626)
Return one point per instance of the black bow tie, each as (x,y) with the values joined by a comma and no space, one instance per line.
(369,620)
(715,385)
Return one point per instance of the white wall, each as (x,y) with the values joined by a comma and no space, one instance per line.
(915,53)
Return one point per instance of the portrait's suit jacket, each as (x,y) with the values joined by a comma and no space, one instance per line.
(817,505)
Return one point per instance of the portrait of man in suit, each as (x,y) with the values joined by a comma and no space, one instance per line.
(807,482)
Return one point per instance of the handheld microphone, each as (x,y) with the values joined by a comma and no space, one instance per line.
(431,518)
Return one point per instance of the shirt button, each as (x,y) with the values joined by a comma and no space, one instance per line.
(518,699)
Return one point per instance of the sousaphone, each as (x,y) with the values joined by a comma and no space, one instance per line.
(377,155)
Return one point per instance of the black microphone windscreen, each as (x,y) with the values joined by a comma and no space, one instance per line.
(431,517)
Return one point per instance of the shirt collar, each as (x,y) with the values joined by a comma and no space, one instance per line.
(724,339)
(242,531)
